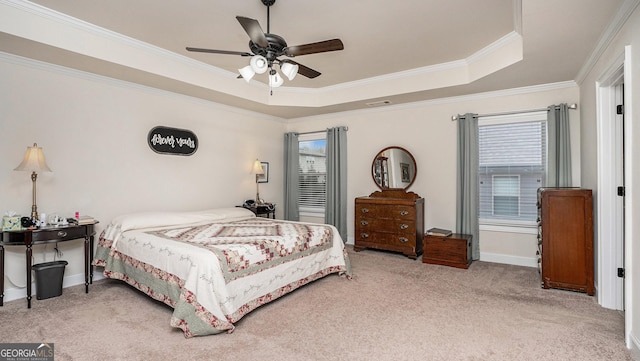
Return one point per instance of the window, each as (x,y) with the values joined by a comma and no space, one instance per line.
(506,195)
(512,167)
(313,173)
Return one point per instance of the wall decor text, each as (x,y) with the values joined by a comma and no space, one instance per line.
(166,140)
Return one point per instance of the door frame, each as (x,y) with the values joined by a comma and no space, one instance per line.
(614,292)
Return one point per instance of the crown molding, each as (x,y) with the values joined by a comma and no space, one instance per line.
(449,100)
(64,19)
(616,24)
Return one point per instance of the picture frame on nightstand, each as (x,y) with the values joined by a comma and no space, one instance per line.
(264,178)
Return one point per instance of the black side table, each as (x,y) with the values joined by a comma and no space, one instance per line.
(29,237)
(263,210)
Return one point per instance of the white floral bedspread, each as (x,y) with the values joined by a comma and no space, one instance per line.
(215,266)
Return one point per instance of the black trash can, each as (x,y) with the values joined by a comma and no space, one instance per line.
(49,276)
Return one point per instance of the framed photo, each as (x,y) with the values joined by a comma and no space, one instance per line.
(264,178)
(404,167)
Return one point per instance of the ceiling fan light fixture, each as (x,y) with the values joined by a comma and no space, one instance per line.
(275,80)
(259,64)
(247,73)
(289,70)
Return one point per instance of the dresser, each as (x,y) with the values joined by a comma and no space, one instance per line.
(565,238)
(391,220)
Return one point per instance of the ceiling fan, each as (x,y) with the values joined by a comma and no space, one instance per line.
(266,48)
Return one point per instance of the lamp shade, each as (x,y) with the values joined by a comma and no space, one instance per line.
(247,73)
(289,70)
(275,80)
(259,64)
(257,167)
(33,160)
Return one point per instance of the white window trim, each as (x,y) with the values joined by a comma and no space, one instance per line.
(509,226)
(513,118)
(312,212)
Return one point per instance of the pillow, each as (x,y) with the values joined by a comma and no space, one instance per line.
(161,219)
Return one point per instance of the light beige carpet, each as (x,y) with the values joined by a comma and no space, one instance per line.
(393,309)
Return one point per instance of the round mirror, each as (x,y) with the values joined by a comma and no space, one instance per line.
(393,168)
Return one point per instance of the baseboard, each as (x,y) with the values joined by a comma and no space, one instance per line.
(495,258)
(634,347)
(507,259)
(12,294)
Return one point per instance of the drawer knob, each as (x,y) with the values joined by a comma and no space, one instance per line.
(403,239)
(364,235)
(404,226)
(365,210)
(62,234)
(404,213)
(364,223)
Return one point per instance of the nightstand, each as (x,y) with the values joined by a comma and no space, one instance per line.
(263,210)
(453,250)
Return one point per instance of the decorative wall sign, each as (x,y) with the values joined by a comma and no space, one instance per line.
(166,140)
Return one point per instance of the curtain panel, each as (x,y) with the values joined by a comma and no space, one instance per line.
(467,181)
(336,206)
(291,177)
(558,147)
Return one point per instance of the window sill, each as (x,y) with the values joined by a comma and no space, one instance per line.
(509,228)
(312,213)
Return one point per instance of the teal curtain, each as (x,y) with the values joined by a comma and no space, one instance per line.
(336,207)
(467,181)
(291,180)
(558,147)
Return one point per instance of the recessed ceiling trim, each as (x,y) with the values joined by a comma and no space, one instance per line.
(65,32)
(497,55)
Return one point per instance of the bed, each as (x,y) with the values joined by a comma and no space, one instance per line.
(215,266)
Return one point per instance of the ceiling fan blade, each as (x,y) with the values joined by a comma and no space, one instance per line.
(313,48)
(200,50)
(253,29)
(303,70)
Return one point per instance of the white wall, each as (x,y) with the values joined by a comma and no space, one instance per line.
(93,131)
(629,35)
(425,129)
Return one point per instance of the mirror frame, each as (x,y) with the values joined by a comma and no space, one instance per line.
(373,165)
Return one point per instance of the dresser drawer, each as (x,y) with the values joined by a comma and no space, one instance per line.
(388,225)
(377,211)
(454,250)
(402,238)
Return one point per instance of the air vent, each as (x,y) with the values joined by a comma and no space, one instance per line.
(379,103)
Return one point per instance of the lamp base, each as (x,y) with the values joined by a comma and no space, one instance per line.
(34,208)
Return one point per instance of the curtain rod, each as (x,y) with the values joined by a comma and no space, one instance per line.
(320,131)
(571,106)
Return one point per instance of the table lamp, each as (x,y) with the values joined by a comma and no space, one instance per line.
(34,162)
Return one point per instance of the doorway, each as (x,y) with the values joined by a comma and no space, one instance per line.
(612,221)
(610,210)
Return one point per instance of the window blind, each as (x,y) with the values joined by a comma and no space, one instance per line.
(512,167)
(313,175)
